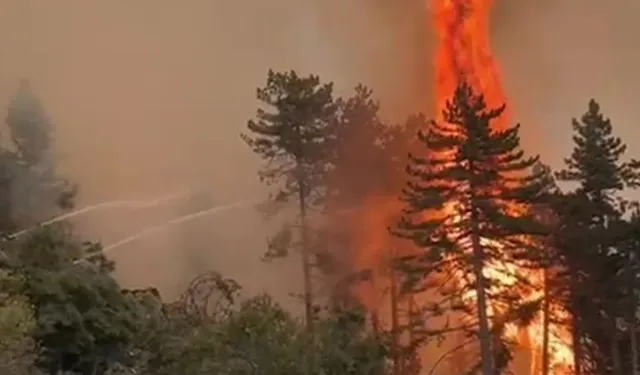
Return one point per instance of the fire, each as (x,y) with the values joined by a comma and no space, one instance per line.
(464,52)
(462,29)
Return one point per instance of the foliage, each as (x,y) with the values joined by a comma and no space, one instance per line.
(291,133)
(258,335)
(17,347)
(463,201)
(593,240)
(292,136)
(37,192)
(82,320)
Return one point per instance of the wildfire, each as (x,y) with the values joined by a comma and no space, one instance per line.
(464,52)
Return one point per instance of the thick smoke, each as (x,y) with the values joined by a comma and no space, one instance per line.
(556,55)
(150,96)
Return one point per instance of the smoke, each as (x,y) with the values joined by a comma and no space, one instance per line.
(149,97)
(556,55)
(176,221)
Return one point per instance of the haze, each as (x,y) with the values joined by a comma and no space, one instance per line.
(149,97)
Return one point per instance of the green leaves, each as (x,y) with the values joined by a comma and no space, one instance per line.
(260,336)
(81,317)
(17,347)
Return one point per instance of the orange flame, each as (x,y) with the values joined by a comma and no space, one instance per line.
(464,53)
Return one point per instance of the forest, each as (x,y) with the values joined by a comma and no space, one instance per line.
(479,239)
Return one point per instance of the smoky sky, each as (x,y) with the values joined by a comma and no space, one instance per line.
(149,96)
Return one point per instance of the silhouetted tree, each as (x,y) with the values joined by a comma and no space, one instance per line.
(593,237)
(37,191)
(463,200)
(292,133)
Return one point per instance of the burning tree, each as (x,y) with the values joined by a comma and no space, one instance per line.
(467,201)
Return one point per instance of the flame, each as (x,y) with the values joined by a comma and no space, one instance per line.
(464,53)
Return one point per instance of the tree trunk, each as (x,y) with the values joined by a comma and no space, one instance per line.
(395,337)
(306,266)
(545,323)
(414,364)
(616,361)
(484,330)
(632,318)
(633,333)
(411,312)
(575,325)
(375,322)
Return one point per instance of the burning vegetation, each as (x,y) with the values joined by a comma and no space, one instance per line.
(434,246)
(477,268)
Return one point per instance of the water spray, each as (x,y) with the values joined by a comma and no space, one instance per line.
(136,204)
(157,228)
(195,215)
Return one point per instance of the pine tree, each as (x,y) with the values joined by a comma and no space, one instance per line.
(462,199)
(292,135)
(359,140)
(357,136)
(597,164)
(594,231)
(545,260)
(37,192)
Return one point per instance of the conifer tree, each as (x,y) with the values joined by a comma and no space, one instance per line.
(597,165)
(462,201)
(357,133)
(545,260)
(359,140)
(37,192)
(292,133)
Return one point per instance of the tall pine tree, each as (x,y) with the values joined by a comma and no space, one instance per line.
(292,133)
(462,202)
(592,244)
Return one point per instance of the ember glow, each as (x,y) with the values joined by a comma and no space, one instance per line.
(464,53)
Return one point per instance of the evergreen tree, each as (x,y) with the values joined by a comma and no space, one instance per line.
(463,199)
(37,192)
(593,236)
(360,138)
(597,164)
(356,130)
(545,261)
(292,134)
